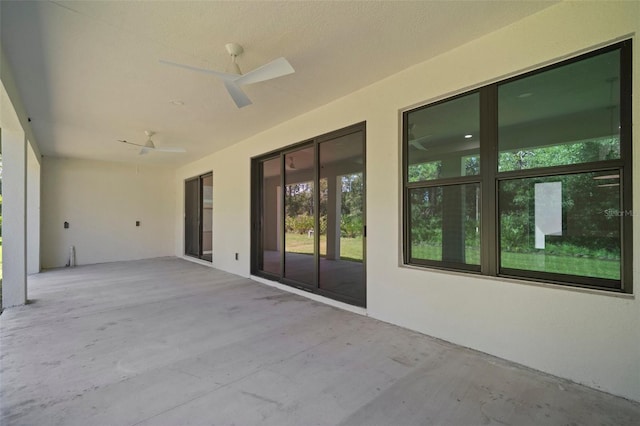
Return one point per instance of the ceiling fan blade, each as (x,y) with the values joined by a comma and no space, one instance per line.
(274,69)
(223,75)
(238,96)
(129,143)
(417,145)
(170,149)
(149,146)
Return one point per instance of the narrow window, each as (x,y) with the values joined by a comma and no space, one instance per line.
(443,183)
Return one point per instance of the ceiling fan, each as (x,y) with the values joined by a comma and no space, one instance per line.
(274,69)
(150,146)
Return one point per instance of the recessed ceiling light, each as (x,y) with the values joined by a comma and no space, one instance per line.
(468,136)
(176,102)
(525,95)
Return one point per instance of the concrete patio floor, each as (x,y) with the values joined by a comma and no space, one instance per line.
(170,342)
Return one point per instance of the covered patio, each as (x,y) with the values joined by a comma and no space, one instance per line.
(166,341)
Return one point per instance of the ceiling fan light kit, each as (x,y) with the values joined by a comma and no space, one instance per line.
(232,82)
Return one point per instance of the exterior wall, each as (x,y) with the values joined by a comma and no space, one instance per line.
(102,202)
(590,337)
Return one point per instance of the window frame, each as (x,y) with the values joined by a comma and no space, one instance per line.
(434,183)
(441,264)
(489,180)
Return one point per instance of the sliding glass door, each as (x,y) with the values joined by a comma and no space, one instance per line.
(198,217)
(299,216)
(269,257)
(341,269)
(308,215)
(192,217)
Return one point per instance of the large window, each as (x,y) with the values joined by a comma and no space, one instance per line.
(527,178)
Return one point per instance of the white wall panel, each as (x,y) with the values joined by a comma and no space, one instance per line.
(587,336)
(102,202)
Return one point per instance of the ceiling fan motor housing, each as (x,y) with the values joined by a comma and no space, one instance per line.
(234,49)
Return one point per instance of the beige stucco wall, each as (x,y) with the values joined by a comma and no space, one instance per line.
(587,336)
(102,202)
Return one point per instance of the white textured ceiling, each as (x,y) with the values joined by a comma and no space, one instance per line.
(88,72)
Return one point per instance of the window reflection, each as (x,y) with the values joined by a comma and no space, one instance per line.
(566,115)
(341,213)
(299,264)
(443,140)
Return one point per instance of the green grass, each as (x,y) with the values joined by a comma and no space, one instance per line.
(428,252)
(350,248)
(571,265)
(559,264)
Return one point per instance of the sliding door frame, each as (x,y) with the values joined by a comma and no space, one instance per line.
(283,200)
(257,213)
(200,216)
